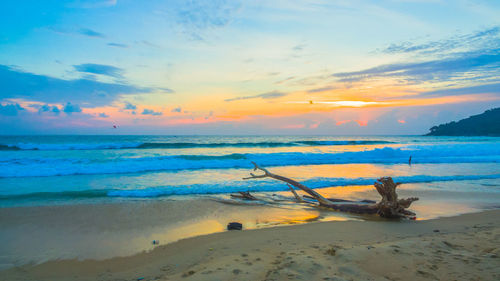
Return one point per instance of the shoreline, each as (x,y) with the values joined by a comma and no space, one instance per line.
(103,230)
(464,245)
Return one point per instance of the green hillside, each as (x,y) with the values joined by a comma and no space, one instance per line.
(485,124)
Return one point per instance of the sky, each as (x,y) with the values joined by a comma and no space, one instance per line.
(310,67)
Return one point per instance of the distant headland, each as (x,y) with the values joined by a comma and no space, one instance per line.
(484,124)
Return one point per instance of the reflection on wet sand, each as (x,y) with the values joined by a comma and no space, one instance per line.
(98,231)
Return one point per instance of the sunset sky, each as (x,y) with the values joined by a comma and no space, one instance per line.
(245,67)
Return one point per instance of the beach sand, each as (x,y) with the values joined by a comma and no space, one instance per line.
(465,247)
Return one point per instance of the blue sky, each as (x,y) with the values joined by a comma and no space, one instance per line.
(246,67)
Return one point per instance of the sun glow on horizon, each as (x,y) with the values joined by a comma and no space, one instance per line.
(345,103)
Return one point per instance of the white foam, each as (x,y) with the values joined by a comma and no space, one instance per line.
(456,153)
(261,186)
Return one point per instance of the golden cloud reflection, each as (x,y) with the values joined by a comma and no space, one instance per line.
(343,103)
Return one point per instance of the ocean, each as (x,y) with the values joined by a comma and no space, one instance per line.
(98,197)
(46,170)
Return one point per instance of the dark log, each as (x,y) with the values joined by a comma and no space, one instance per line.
(389,206)
(244,195)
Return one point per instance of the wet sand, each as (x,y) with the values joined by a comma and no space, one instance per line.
(102,230)
(465,247)
(99,231)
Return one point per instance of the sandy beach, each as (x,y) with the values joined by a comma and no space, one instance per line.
(464,247)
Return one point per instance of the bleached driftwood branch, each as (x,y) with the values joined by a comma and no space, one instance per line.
(389,206)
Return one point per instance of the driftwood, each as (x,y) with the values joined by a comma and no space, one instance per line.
(390,206)
(297,197)
(244,195)
(344,200)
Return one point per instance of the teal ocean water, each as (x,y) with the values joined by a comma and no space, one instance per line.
(41,170)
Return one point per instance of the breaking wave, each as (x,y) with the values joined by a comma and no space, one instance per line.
(233,186)
(177,145)
(35,167)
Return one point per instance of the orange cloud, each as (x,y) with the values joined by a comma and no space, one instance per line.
(342,122)
(362,123)
(314,126)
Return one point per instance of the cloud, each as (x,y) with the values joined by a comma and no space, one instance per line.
(270,95)
(103,115)
(71,108)
(151,112)
(195,18)
(10,109)
(165,90)
(47,108)
(150,44)
(92,4)
(118,45)
(129,106)
(439,69)
(487,38)
(100,69)
(299,47)
(319,90)
(91,33)
(71,31)
(205,14)
(285,80)
(480,89)
(18,84)
(178,109)
(466,57)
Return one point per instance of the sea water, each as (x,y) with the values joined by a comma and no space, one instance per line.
(41,170)
(64,197)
